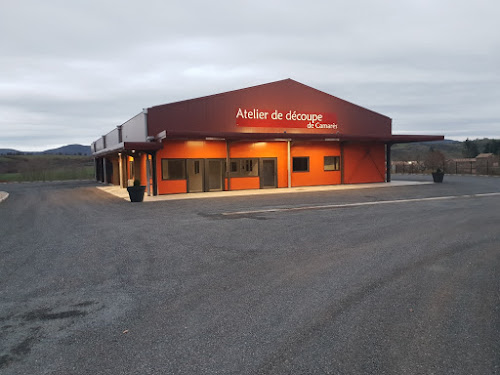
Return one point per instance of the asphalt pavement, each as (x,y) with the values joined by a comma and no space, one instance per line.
(395,280)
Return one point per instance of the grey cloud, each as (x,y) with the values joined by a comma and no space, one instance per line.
(429,65)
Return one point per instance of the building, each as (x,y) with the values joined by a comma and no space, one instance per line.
(276,135)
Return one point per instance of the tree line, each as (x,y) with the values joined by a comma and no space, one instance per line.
(473,148)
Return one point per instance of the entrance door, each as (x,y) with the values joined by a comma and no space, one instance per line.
(214,173)
(195,169)
(268,175)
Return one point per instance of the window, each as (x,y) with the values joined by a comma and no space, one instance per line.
(196,167)
(173,169)
(244,167)
(332,163)
(301,164)
(248,165)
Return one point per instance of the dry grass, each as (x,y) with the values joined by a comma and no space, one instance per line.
(45,167)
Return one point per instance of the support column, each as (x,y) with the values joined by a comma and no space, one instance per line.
(120,167)
(155,184)
(125,170)
(288,161)
(96,169)
(104,171)
(148,175)
(228,166)
(388,161)
(341,162)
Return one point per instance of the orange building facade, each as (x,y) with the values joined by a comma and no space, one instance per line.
(277,135)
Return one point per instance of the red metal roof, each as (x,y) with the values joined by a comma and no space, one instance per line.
(270,108)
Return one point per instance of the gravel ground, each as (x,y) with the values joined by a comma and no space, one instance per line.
(92,284)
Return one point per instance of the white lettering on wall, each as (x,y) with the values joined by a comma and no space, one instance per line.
(307,120)
(252,114)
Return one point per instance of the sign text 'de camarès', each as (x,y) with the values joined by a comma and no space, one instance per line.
(287,119)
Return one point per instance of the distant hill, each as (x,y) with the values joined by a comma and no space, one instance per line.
(69,150)
(64,150)
(5,151)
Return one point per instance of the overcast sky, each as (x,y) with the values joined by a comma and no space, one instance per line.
(71,71)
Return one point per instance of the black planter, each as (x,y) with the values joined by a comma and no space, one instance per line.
(437,176)
(136,193)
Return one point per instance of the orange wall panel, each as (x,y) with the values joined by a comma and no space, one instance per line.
(172,186)
(242,183)
(258,149)
(192,150)
(185,150)
(263,150)
(316,151)
(364,163)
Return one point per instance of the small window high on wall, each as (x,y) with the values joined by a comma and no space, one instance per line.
(300,164)
(173,169)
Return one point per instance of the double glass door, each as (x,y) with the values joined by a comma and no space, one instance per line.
(205,175)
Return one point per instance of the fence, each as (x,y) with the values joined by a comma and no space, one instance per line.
(470,167)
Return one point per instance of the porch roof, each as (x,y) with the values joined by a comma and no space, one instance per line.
(129,147)
(391,139)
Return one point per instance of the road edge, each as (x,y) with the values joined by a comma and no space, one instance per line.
(3,196)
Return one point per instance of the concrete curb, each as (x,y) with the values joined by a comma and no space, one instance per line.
(3,196)
(122,193)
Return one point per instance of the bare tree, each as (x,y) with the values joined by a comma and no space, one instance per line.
(434,160)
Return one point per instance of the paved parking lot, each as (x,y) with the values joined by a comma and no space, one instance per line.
(394,280)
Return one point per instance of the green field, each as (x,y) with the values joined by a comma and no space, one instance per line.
(14,168)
